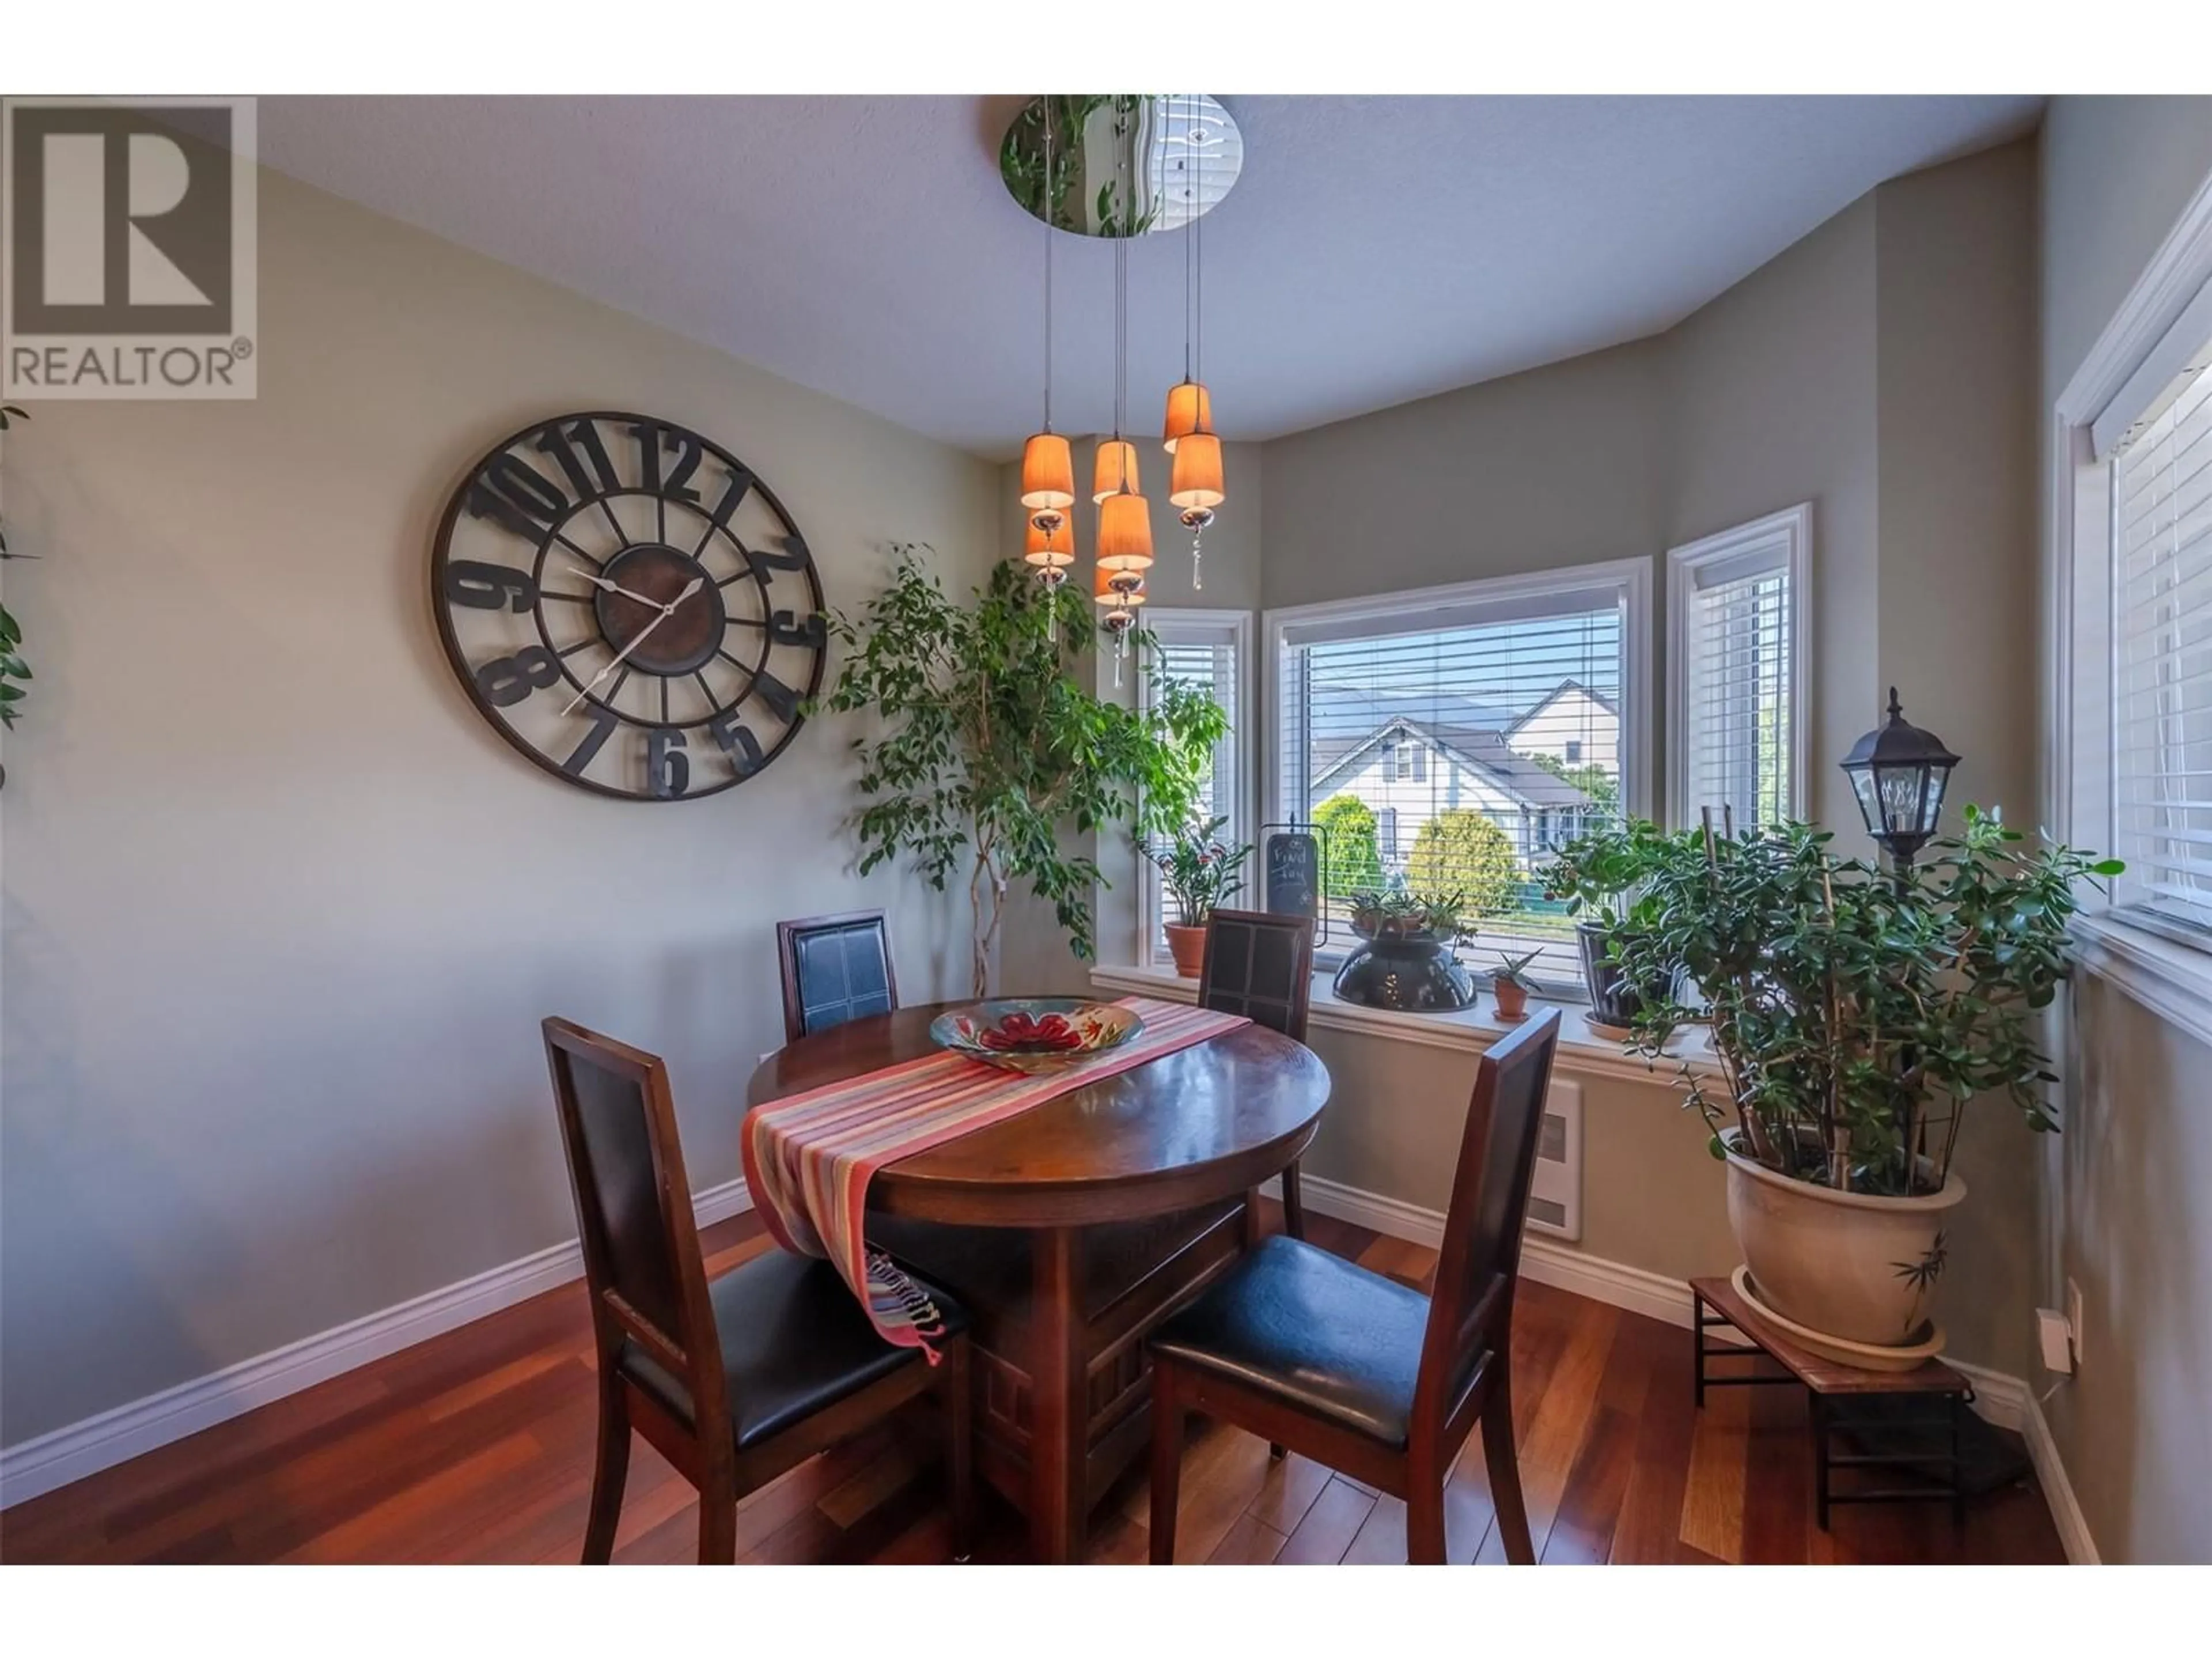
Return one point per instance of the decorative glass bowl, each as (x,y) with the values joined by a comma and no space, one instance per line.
(1035,1034)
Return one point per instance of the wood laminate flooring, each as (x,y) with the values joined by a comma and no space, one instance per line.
(476,1447)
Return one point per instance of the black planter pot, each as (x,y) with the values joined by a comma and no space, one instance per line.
(1410,975)
(1610,999)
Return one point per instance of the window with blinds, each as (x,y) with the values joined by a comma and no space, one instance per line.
(1205,649)
(2161,611)
(1449,742)
(1735,672)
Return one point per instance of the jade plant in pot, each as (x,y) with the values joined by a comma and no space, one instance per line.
(1855,1014)
(1404,960)
(1198,871)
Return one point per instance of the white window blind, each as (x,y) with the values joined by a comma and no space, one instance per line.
(2161,601)
(1735,671)
(1430,738)
(1204,650)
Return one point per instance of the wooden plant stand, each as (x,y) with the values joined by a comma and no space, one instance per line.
(1869,1407)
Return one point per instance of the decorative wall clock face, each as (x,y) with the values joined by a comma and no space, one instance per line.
(629,606)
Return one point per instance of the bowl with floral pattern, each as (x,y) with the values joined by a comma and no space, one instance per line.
(1036,1033)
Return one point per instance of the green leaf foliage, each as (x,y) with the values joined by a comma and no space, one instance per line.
(986,747)
(1354,847)
(1854,1016)
(1459,851)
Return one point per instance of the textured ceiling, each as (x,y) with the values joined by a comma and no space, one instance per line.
(1376,249)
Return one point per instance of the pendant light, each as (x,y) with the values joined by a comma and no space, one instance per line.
(1047,464)
(1125,520)
(1195,483)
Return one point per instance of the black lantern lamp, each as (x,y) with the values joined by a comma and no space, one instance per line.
(1900,774)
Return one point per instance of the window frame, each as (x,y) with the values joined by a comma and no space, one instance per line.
(1790,534)
(1632,577)
(1194,625)
(2168,972)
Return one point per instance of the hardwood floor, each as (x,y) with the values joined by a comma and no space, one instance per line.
(476,1447)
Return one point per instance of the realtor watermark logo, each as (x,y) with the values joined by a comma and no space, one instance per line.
(127,264)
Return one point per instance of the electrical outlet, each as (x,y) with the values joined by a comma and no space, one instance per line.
(2074,1316)
(2054,1340)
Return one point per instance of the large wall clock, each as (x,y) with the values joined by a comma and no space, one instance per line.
(629,606)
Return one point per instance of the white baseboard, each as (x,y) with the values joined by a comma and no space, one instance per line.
(2057,1491)
(113,1437)
(2001,1400)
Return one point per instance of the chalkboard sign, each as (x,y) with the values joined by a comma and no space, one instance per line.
(1293,873)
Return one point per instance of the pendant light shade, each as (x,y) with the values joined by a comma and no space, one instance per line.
(1125,534)
(1121,590)
(1051,549)
(1196,475)
(1190,408)
(1115,472)
(1047,473)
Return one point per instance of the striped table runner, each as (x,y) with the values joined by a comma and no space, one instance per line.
(809,1157)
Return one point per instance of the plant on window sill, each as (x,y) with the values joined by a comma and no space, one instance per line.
(1198,871)
(987,746)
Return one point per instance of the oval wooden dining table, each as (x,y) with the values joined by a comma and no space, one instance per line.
(1073,1230)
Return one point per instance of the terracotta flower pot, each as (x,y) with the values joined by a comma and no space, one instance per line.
(1512,999)
(1187,946)
(1852,1265)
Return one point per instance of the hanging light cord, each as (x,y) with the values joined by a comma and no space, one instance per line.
(1047,101)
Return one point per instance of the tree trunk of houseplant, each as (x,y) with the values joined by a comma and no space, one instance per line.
(1187,946)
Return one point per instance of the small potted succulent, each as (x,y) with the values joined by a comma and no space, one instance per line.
(1510,984)
(1598,874)
(1198,872)
(1405,961)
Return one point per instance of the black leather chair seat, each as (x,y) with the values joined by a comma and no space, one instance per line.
(795,1339)
(1321,1333)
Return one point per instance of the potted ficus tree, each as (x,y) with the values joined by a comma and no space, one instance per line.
(986,746)
(1855,1015)
(1198,872)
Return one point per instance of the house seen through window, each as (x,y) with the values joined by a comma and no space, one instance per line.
(1453,746)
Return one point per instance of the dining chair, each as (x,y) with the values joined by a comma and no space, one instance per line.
(835,968)
(733,1380)
(1260,965)
(1359,1372)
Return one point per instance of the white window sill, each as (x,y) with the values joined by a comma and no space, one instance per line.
(1583,1053)
(2171,979)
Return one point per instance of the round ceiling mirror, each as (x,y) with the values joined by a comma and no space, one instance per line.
(1123,164)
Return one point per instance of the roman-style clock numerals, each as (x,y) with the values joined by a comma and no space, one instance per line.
(629,606)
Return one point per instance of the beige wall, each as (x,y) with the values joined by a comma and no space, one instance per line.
(281,910)
(1772,402)
(2126,1186)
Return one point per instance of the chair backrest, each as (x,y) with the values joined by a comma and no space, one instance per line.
(835,968)
(1260,966)
(642,1264)
(1472,1300)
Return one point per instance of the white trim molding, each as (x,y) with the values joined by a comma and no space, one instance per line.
(1999,1399)
(128,1430)
(1583,1055)
(2078,618)
(1782,540)
(1187,625)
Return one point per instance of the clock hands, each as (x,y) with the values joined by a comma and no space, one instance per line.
(610,586)
(636,640)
